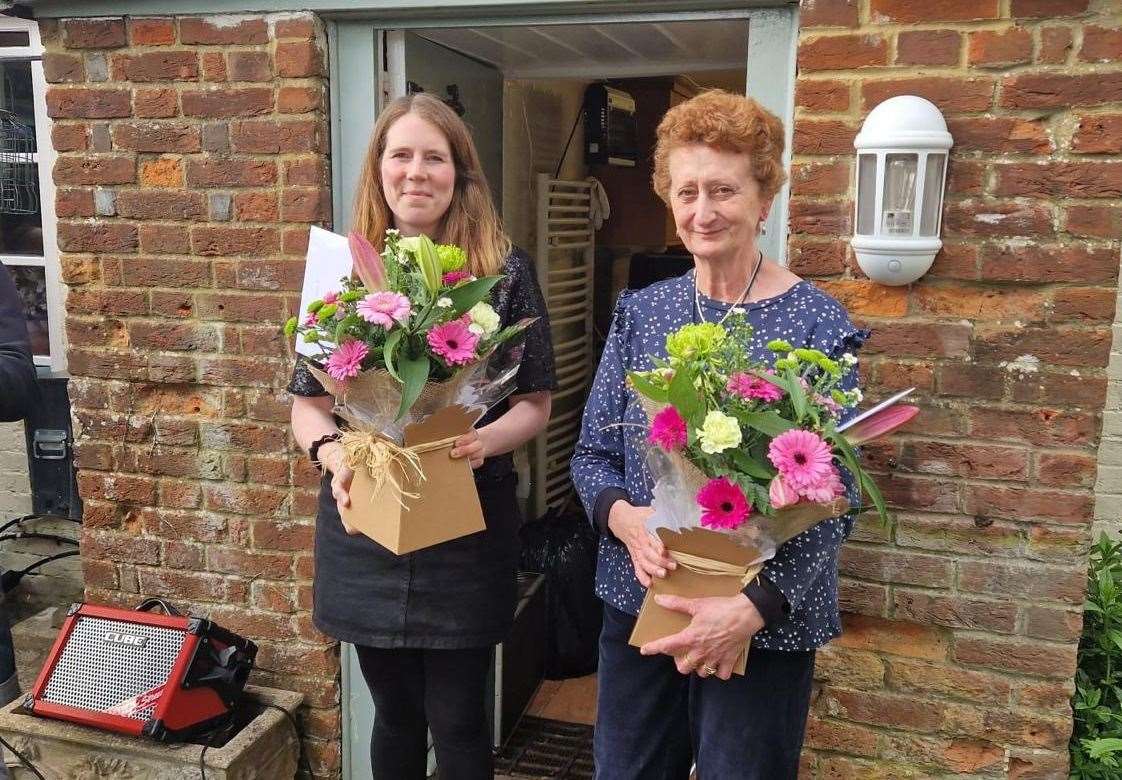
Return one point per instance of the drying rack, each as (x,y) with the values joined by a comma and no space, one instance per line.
(19,175)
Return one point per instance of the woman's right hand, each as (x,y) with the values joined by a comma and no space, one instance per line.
(331,456)
(648,553)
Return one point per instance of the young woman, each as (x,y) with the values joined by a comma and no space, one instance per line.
(423,624)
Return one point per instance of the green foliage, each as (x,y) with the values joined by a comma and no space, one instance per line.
(1096,741)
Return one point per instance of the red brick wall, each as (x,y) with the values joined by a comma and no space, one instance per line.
(960,647)
(192,157)
(193,154)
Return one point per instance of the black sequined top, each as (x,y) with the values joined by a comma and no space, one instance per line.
(517,296)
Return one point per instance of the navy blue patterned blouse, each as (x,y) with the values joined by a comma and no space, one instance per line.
(610,457)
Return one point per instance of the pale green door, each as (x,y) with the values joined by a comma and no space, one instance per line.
(375,60)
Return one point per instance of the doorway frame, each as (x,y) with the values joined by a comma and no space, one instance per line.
(355,48)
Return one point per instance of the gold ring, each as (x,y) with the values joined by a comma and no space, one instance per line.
(709,670)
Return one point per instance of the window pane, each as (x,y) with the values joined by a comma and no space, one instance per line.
(899,194)
(866,195)
(31,282)
(21,230)
(15,38)
(16,96)
(932,190)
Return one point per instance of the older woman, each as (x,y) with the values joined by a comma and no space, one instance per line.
(718,164)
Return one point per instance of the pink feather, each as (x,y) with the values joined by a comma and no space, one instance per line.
(880,424)
(367,262)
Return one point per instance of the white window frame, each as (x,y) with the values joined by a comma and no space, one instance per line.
(45,159)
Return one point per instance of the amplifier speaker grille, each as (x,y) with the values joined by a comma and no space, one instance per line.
(104,665)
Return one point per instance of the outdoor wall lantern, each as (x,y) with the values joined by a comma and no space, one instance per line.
(901,169)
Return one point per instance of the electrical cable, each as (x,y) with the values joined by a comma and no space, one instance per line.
(36,535)
(16,521)
(9,579)
(565,151)
(302,761)
(303,757)
(22,758)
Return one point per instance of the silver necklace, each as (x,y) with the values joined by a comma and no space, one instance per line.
(743,296)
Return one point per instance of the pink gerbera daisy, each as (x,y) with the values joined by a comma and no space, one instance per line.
(346,361)
(330,297)
(751,387)
(802,457)
(384,308)
(668,430)
(452,278)
(724,504)
(453,342)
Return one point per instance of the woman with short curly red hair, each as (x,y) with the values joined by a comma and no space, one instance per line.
(719,165)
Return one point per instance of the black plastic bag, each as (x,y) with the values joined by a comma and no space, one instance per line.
(562,546)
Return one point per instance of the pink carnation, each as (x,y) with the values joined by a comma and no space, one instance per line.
(802,457)
(832,406)
(452,278)
(330,297)
(826,490)
(668,430)
(384,308)
(724,504)
(781,494)
(453,342)
(751,387)
(310,319)
(346,361)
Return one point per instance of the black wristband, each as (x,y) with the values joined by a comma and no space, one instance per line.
(313,451)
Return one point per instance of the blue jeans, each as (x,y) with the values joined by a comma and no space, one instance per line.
(653,722)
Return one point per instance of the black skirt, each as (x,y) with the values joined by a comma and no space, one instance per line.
(459,593)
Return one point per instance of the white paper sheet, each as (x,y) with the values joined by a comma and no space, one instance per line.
(328,260)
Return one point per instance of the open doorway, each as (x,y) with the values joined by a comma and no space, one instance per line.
(556,106)
(524,90)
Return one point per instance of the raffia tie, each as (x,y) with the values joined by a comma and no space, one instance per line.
(700,565)
(379,456)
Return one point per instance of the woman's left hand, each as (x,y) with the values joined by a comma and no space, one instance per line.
(470,446)
(719,629)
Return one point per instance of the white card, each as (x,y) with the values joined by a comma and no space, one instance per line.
(328,261)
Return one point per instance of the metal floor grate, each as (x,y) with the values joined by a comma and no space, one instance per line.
(541,748)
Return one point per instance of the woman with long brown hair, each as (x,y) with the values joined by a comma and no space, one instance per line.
(423,624)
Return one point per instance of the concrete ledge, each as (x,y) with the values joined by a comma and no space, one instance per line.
(265,749)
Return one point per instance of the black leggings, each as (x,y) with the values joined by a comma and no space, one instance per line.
(416,690)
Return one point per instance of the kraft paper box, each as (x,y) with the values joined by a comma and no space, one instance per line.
(444,504)
(656,622)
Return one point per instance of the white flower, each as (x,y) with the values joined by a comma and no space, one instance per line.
(719,432)
(856,395)
(485,317)
(476,329)
(444,303)
(849,359)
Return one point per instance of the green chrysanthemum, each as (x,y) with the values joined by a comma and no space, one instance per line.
(694,341)
(452,258)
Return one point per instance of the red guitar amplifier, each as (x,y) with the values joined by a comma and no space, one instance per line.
(168,676)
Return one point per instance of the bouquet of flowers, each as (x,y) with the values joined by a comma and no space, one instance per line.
(408,346)
(747,454)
